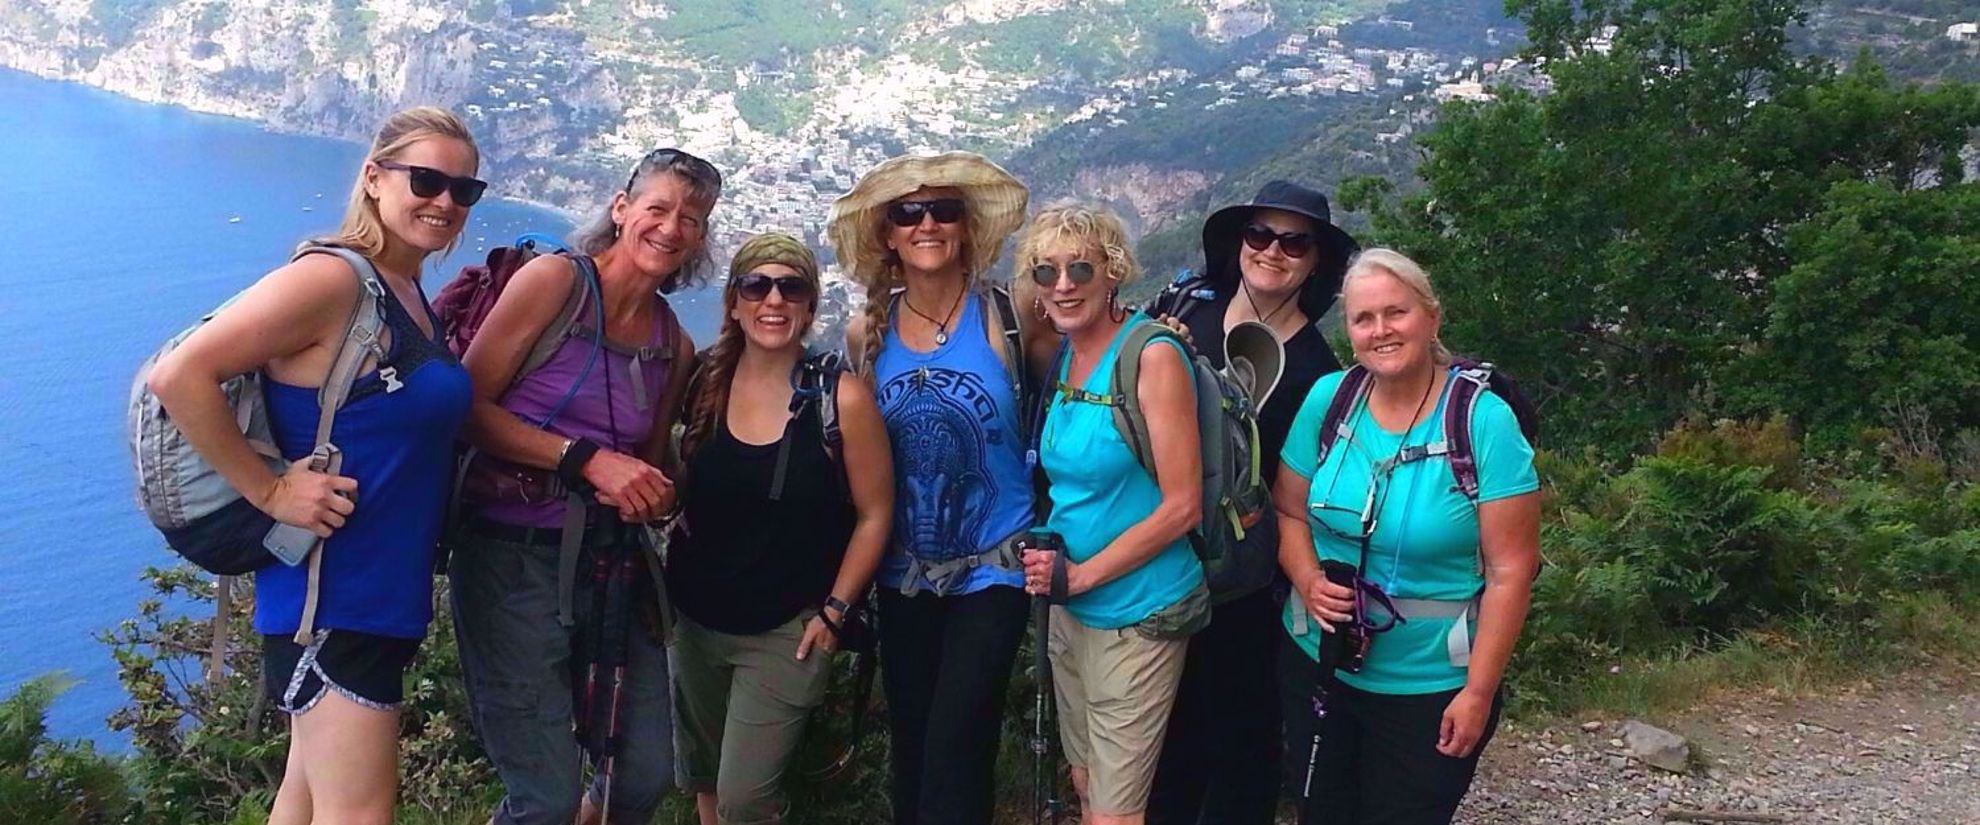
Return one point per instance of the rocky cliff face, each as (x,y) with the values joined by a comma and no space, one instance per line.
(332,69)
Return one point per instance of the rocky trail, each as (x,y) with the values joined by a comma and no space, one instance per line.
(1902,750)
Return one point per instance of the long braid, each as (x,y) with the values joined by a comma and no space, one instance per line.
(711,400)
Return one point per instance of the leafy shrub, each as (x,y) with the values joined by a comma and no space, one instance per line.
(49,782)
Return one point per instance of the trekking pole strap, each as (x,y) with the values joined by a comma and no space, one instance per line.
(567,558)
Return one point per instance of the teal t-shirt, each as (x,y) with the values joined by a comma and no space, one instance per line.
(1098,491)
(1425,543)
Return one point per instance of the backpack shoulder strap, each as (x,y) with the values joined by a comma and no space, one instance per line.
(1023,390)
(583,286)
(1128,416)
(1348,394)
(814,383)
(1466,385)
(362,340)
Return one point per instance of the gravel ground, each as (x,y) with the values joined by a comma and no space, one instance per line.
(1906,750)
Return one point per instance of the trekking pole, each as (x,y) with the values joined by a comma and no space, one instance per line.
(1333,648)
(1044,784)
(617,638)
(1042,801)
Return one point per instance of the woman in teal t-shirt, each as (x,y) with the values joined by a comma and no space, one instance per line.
(1135,590)
(1400,739)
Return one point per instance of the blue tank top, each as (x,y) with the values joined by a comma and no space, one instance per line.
(961,484)
(397,432)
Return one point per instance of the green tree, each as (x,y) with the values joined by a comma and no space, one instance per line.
(1616,241)
(1877,314)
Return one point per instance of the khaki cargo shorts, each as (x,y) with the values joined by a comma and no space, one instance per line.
(1114,690)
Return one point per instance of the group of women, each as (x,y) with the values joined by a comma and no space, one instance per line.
(973,416)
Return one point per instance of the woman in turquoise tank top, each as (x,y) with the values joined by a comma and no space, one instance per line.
(1134,590)
(920,233)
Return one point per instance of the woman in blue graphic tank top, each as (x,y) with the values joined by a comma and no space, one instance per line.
(919,233)
(340,684)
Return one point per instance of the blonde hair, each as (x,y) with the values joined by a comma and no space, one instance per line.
(1374,261)
(1085,227)
(362,230)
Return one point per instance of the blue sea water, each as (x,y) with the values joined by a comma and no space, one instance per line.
(119,220)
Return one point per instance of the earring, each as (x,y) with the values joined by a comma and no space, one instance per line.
(1038,306)
(616,228)
(1114,309)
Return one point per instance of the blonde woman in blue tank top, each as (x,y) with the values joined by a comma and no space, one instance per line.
(1135,589)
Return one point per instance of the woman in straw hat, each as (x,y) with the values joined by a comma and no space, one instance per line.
(787,531)
(1277,260)
(920,233)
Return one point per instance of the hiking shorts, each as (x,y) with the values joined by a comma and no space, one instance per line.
(1114,690)
(367,669)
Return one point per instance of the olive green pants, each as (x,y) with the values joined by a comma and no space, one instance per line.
(740,705)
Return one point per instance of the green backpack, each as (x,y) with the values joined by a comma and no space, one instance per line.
(1235,497)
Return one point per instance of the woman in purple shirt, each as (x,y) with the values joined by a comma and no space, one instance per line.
(554,601)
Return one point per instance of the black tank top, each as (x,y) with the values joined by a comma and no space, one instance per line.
(746,564)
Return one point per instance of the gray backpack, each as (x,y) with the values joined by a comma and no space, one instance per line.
(1235,498)
(204,519)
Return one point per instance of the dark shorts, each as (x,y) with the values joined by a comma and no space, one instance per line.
(366,669)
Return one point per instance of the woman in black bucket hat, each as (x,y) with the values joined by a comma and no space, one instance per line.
(1277,260)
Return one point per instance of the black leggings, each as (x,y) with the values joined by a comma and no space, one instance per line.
(1378,762)
(1220,756)
(945,662)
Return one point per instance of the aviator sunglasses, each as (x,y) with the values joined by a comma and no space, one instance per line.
(908,213)
(428,182)
(756,286)
(1294,244)
(1047,275)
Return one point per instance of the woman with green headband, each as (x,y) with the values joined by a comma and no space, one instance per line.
(780,533)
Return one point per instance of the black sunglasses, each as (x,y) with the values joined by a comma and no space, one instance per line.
(428,182)
(1047,275)
(670,158)
(908,213)
(1294,244)
(756,286)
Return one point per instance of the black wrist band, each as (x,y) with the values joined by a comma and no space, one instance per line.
(570,468)
(829,624)
(840,605)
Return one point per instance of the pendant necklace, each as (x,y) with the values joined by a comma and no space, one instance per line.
(942,326)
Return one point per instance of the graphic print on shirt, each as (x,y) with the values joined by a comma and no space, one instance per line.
(939,420)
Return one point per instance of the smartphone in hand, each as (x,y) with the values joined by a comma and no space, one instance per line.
(287,542)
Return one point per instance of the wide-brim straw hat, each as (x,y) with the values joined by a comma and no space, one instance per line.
(1334,247)
(994,203)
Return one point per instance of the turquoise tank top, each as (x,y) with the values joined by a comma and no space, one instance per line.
(1099,491)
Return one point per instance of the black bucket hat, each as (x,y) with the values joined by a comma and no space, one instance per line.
(1332,245)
